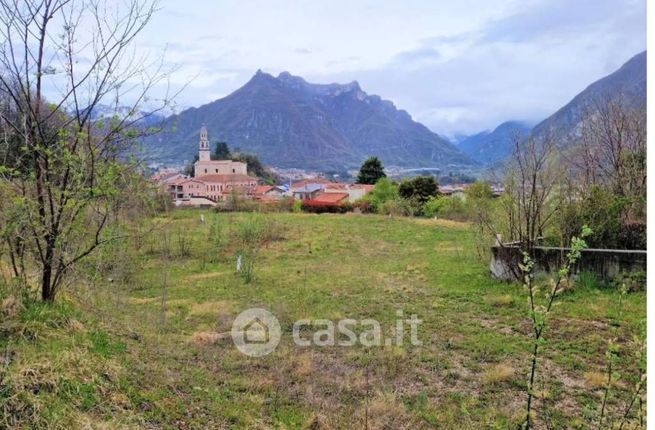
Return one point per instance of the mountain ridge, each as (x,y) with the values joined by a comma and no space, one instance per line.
(289,122)
(491,146)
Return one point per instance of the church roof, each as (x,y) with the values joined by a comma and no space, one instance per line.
(226,178)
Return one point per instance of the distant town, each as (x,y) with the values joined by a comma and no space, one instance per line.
(214,181)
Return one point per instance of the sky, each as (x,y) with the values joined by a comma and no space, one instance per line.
(459,67)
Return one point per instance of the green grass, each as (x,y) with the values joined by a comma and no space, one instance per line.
(156,352)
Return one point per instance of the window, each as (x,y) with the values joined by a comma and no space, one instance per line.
(205,170)
(216,170)
(233,171)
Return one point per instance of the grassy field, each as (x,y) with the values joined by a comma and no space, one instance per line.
(151,347)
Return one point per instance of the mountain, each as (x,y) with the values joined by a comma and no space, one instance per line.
(489,147)
(628,83)
(289,122)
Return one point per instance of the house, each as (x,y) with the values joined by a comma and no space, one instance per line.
(454,190)
(219,187)
(308,191)
(354,191)
(304,182)
(331,198)
(268,192)
(185,187)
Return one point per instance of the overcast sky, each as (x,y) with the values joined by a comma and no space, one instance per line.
(457,66)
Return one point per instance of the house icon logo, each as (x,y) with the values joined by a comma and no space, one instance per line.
(256,332)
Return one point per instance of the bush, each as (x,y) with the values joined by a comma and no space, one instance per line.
(399,207)
(610,218)
(364,206)
(449,207)
(319,207)
(384,191)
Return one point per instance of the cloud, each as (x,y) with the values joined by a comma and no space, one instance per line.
(424,53)
(459,67)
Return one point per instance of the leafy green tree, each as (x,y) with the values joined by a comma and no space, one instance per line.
(221,152)
(479,190)
(255,167)
(371,171)
(420,189)
(384,191)
(188,169)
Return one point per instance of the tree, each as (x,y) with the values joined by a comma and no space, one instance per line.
(420,189)
(189,169)
(384,191)
(608,177)
(371,171)
(221,152)
(532,183)
(255,167)
(67,169)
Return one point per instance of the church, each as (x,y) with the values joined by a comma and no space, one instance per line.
(214,180)
(206,166)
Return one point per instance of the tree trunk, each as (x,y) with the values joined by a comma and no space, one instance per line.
(47,290)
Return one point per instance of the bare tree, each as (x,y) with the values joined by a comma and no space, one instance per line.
(62,167)
(612,151)
(531,185)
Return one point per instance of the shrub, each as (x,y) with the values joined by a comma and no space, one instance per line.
(588,280)
(364,206)
(632,281)
(399,207)
(383,192)
(449,207)
(318,207)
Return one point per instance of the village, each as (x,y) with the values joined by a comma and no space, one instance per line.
(215,181)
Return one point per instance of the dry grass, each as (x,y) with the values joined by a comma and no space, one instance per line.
(207,337)
(596,380)
(385,411)
(212,308)
(11,307)
(141,300)
(498,373)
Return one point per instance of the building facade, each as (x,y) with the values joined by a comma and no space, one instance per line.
(206,166)
(213,180)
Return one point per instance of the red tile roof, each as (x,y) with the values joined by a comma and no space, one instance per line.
(226,178)
(336,186)
(316,180)
(330,197)
(262,189)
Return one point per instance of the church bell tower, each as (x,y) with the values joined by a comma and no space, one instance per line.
(203,147)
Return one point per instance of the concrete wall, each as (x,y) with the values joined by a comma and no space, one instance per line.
(606,263)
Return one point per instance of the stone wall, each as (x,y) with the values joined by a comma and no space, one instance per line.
(606,263)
